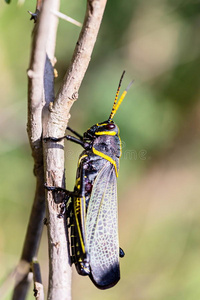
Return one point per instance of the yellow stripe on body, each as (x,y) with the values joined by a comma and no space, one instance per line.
(99,125)
(81,158)
(105,133)
(77,222)
(107,158)
(77,184)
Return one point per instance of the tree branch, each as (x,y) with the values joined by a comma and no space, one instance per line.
(54,125)
(68,92)
(55,118)
(38,81)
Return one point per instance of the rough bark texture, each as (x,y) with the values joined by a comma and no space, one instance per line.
(38,81)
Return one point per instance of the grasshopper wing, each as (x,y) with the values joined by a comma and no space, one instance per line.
(102,229)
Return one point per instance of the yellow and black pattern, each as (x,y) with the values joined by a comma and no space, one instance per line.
(116,97)
(93,211)
(116,104)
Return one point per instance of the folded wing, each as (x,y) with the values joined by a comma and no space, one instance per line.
(102,229)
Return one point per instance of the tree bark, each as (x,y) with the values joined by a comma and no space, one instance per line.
(42,57)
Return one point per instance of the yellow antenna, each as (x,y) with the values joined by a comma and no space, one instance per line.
(117,104)
(116,97)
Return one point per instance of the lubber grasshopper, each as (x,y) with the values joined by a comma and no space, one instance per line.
(92,206)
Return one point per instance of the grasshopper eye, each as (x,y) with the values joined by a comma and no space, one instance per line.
(110,126)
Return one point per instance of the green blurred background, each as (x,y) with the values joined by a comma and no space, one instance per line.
(157,43)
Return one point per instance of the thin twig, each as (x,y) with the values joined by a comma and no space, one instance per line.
(68,92)
(37,279)
(66,18)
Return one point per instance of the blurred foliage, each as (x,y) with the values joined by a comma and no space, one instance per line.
(157,43)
